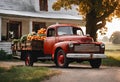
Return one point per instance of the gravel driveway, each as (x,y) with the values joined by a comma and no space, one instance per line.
(77,73)
(86,74)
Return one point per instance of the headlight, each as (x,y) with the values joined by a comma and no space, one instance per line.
(71,45)
(102,45)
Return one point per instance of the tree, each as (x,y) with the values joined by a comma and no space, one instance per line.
(115,37)
(96,12)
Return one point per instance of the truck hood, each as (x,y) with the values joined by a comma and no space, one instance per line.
(80,39)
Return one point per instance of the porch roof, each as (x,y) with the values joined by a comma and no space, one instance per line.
(45,15)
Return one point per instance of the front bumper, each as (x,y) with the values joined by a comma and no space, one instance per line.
(78,55)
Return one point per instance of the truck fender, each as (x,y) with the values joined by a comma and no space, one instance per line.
(60,45)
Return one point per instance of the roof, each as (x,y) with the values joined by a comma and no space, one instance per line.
(42,14)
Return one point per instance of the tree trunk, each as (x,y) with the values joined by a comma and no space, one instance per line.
(91,24)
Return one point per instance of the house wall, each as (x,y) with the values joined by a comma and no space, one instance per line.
(25,27)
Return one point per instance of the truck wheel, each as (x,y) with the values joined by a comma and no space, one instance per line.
(95,63)
(28,60)
(61,60)
(22,57)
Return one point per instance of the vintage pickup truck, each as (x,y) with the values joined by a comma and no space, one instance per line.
(64,43)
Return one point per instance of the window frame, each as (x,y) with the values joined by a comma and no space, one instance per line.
(43,5)
(40,25)
(52,30)
(18,28)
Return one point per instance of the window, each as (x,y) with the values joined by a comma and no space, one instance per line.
(43,5)
(38,25)
(77,31)
(68,30)
(65,30)
(51,33)
(14,30)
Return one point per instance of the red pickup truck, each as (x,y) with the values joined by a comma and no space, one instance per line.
(65,43)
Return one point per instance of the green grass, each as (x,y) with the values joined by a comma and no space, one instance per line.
(111,62)
(25,74)
(113,54)
(113,51)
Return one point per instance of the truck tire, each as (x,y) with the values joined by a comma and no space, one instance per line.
(95,63)
(22,56)
(60,59)
(28,59)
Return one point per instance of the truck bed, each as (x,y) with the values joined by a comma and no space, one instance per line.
(28,45)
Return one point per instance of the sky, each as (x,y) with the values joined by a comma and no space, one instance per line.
(113,26)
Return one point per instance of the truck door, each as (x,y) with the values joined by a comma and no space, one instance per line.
(49,41)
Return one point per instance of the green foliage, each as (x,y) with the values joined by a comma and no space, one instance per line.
(15,41)
(4,55)
(23,38)
(25,74)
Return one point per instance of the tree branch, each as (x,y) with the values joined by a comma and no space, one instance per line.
(99,26)
(106,14)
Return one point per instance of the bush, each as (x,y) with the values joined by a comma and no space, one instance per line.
(4,55)
(115,37)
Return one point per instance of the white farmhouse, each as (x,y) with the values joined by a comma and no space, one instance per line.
(19,17)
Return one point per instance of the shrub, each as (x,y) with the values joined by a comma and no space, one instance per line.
(4,55)
(115,37)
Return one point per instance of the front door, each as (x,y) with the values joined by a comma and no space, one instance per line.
(50,41)
(13,30)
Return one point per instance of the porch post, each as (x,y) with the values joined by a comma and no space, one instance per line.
(30,26)
(0,29)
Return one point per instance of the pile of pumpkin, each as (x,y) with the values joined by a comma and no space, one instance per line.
(40,35)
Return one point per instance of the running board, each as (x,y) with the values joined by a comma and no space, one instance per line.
(44,58)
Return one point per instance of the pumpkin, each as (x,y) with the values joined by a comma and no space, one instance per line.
(41,35)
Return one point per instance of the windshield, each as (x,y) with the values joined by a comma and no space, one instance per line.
(68,30)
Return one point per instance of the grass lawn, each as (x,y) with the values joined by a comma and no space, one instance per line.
(25,74)
(113,54)
(113,51)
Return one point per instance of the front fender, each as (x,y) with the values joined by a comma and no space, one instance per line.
(60,45)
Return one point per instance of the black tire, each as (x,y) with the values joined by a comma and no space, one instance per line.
(95,63)
(28,59)
(23,56)
(60,59)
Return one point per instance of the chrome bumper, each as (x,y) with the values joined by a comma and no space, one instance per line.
(78,55)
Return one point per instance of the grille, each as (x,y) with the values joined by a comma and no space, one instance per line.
(86,48)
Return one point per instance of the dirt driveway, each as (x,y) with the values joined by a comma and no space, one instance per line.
(77,73)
